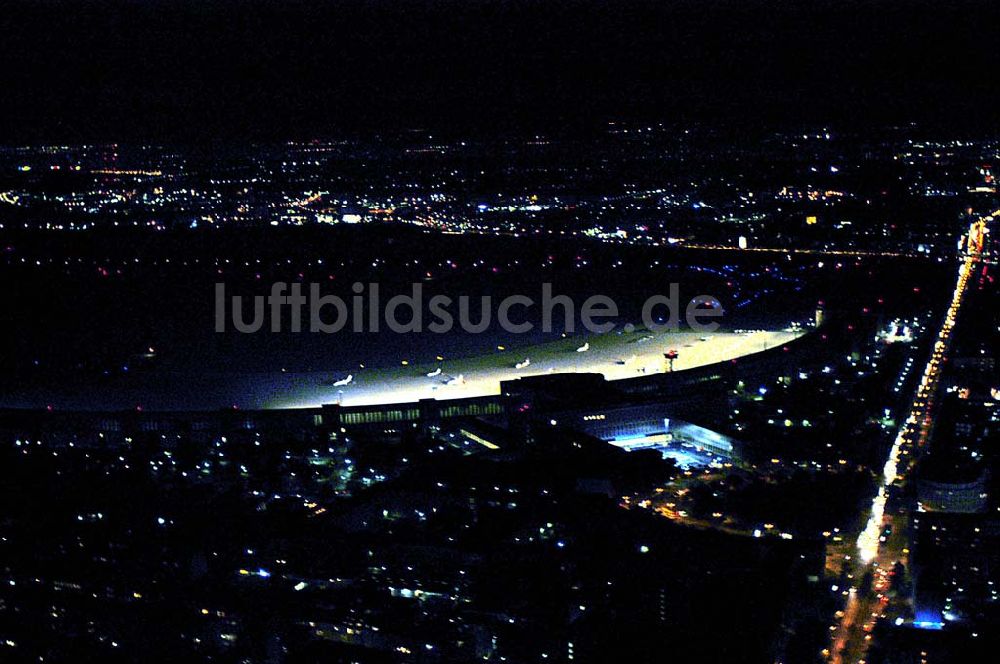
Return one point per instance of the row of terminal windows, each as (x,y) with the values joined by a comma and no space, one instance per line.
(473,409)
(357,417)
(379,416)
(160,425)
(410,414)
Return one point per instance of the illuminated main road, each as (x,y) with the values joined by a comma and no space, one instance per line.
(431,222)
(850,635)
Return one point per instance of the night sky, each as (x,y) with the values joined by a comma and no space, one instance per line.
(160,69)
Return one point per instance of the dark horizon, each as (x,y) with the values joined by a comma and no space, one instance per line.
(121,70)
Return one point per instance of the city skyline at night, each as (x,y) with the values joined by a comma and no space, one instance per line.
(499,331)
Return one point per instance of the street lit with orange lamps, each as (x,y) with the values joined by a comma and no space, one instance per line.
(848,644)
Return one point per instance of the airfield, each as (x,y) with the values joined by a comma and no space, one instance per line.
(616,355)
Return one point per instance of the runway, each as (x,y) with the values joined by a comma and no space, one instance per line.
(615,355)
